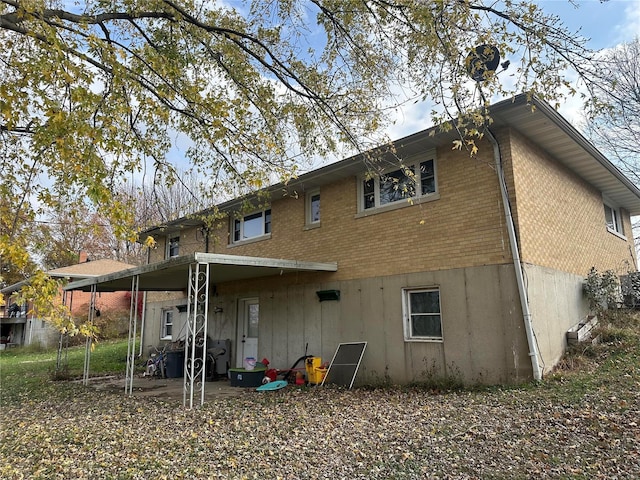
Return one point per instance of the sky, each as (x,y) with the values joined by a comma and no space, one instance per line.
(605,24)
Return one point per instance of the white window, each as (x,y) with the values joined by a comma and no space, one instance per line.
(173,246)
(313,208)
(251,226)
(166,331)
(613,219)
(421,310)
(412,181)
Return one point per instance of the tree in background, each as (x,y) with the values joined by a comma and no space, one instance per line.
(65,233)
(613,116)
(614,121)
(76,226)
(94,94)
(15,261)
(165,201)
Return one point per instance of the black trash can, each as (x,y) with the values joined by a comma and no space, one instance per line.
(174,365)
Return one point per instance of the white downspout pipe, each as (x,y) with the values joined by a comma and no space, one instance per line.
(524,301)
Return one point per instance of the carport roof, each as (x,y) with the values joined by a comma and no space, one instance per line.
(173,274)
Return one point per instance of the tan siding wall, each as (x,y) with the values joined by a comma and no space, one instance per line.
(561,222)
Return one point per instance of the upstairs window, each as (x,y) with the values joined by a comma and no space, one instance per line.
(613,219)
(313,208)
(412,181)
(173,246)
(252,226)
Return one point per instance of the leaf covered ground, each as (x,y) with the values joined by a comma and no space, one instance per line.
(581,422)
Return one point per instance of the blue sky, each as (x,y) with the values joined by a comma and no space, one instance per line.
(605,23)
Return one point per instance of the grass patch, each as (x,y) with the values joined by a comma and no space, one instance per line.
(606,365)
(31,370)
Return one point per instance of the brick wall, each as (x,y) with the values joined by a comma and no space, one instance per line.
(105,301)
(560,217)
(559,221)
(464,227)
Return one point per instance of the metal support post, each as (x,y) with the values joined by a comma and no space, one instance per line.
(63,341)
(131,345)
(196,342)
(143,317)
(87,348)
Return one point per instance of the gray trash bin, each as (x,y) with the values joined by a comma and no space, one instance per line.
(174,365)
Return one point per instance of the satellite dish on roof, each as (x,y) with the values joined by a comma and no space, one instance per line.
(482,62)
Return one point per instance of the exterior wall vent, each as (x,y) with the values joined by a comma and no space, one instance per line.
(328,295)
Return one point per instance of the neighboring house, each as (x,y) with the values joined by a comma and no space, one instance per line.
(430,281)
(26,328)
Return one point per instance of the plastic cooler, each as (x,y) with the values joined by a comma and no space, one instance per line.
(240,377)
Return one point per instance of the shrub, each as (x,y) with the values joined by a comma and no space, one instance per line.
(630,284)
(602,290)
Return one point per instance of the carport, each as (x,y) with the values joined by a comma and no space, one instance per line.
(192,274)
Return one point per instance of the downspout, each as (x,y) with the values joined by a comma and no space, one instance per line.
(524,301)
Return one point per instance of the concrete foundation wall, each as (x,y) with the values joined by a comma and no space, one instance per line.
(557,303)
(38,332)
(222,325)
(483,334)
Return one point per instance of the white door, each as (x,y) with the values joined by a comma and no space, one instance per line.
(248,318)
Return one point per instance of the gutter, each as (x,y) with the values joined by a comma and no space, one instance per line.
(524,301)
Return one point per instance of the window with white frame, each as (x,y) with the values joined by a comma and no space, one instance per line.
(173,246)
(613,219)
(313,208)
(166,331)
(421,311)
(414,180)
(251,226)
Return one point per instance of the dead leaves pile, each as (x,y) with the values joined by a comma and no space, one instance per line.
(324,433)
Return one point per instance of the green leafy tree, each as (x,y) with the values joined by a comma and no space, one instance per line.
(15,261)
(92,93)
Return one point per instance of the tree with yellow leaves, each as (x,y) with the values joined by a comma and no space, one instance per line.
(93,93)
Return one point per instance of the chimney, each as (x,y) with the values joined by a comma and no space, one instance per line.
(82,257)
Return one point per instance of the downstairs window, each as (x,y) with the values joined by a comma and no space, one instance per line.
(421,311)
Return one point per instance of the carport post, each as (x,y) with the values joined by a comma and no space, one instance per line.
(133,323)
(197,313)
(63,343)
(87,348)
